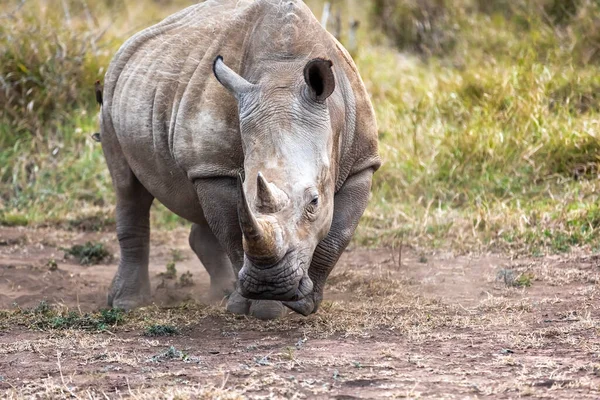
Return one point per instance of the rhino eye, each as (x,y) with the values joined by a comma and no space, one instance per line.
(314,203)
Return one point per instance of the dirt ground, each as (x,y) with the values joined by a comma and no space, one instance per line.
(416,326)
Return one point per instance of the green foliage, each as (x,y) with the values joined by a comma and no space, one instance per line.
(51,53)
(497,28)
(45,317)
(171,271)
(513,279)
(177,255)
(524,280)
(172,354)
(52,265)
(47,68)
(111,316)
(89,253)
(161,330)
(44,71)
(11,219)
(427,27)
(42,308)
(186,279)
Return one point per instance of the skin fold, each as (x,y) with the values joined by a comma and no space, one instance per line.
(251,121)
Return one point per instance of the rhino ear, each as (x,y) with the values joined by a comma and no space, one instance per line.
(228,78)
(319,78)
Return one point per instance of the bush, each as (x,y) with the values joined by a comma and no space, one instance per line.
(47,70)
(51,53)
(427,27)
(498,27)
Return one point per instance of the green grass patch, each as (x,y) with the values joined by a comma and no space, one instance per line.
(89,253)
(161,330)
(47,317)
(13,220)
(513,279)
(524,280)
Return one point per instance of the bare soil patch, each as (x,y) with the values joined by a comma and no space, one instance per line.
(436,326)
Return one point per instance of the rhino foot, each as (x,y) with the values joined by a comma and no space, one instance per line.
(128,297)
(261,309)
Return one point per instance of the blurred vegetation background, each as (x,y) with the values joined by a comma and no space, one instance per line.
(487,109)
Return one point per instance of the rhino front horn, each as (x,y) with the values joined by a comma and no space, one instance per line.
(250,226)
(262,239)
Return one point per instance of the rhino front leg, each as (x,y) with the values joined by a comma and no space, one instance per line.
(215,260)
(219,198)
(349,205)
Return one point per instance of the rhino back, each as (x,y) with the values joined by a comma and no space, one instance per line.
(148,90)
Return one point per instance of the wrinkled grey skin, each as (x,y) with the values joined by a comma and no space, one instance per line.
(285,108)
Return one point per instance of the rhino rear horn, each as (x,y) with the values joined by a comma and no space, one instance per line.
(231,80)
(270,198)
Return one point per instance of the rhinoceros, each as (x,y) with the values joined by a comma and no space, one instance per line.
(251,121)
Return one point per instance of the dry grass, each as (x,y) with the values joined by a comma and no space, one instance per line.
(487,115)
(379,335)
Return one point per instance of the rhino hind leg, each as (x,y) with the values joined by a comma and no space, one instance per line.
(130,288)
(215,260)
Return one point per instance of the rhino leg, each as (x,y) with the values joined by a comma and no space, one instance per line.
(218,198)
(349,205)
(215,260)
(130,287)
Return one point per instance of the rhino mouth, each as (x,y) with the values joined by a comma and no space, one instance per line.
(286,280)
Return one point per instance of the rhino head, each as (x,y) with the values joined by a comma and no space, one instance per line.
(285,204)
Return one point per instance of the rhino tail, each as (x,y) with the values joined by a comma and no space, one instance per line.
(98,88)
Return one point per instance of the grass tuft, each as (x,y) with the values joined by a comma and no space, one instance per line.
(171,271)
(89,253)
(161,330)
(47,317)
(513,279)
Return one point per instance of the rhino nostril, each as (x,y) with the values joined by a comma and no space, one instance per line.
(305,286)
(265,290)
